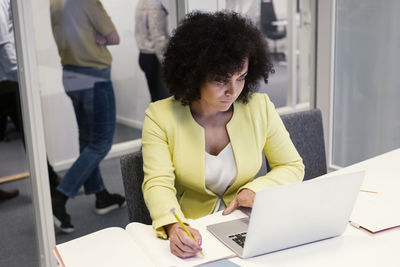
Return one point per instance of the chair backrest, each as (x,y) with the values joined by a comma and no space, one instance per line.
(306,132)
(267,16)
(132,176)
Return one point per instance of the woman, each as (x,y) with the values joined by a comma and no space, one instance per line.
(203,147)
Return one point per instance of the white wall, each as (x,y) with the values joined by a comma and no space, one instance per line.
(204,5)
(131,91)
(280,7)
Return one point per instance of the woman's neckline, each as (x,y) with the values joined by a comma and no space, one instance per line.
(233,107)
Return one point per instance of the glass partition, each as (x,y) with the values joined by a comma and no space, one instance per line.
(366,84)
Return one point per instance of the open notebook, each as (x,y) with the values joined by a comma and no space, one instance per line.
(137,245)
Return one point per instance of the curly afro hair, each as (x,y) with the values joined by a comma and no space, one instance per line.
(214,46)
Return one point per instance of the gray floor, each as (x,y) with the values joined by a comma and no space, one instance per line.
(17,226)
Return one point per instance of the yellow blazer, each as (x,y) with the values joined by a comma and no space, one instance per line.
(174,157)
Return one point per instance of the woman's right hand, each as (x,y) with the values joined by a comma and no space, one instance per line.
(180,243)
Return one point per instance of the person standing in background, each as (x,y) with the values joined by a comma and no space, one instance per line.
(82,30)
(151,34)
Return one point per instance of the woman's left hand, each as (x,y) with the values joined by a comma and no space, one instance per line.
(245,198)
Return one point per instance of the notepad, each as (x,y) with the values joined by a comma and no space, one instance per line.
(137,245)
(377,212)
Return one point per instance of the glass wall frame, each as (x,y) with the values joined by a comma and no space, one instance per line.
(33,128)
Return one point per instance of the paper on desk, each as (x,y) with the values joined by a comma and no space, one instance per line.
(377,211)
(95,250)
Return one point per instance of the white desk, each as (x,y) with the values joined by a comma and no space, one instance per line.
(355,247)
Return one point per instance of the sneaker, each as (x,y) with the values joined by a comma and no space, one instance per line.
(61,218)
(108,203)
(64,226)
(4,195)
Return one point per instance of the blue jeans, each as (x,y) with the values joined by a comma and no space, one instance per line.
(94,106)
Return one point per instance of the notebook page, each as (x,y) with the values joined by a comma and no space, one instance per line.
(108,247)
(158,249)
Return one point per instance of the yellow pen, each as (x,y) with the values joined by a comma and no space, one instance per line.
(184,227)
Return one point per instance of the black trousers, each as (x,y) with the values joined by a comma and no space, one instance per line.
(152,69)
(9,99)
(10,106)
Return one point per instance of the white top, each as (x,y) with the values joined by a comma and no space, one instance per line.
(220,173)
(151,27)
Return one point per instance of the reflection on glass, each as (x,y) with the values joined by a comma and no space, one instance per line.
(17,218)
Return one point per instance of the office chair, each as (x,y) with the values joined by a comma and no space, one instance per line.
(306,132)
(271,31)
(132,176)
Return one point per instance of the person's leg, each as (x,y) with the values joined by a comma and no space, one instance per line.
(162,90)
(3,113)
(3,126)
(3,118)
(103,132)
(8,107)
(54,178)
(95,112)
(71,83)
(101,123)
(96,122)
(61,218)
(149,64)
(15,113)
(8,95)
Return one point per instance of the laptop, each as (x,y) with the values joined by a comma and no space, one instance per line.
(291,215)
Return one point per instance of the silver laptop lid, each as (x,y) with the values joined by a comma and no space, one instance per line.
(295,214)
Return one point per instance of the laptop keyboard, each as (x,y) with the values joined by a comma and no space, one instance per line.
(239,238)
